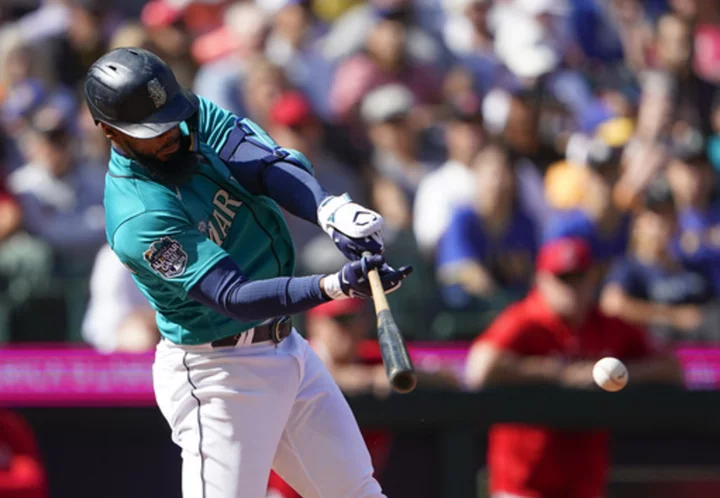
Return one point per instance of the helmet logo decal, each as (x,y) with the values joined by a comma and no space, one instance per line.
(157,92)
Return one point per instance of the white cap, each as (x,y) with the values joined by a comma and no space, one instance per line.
(496,109)
(523,45)
(386,102)
(538,7)
(245,19)
(458,6)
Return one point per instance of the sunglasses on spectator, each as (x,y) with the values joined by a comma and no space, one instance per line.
(572,278)
(59,136)
(345,319)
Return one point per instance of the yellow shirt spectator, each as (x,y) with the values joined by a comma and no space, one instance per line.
(564,184)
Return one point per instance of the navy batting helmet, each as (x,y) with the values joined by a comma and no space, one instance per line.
(135,91)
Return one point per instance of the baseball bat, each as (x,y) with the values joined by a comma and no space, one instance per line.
(398,367)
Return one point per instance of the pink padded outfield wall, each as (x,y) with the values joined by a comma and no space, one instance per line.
(82,377)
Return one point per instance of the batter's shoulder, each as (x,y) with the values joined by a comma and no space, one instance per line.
(128,197)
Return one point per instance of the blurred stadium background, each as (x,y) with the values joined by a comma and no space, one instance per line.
(478,128)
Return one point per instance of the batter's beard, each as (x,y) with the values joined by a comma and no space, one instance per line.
(176,169)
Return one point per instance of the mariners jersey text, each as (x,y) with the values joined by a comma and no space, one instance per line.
(224,210)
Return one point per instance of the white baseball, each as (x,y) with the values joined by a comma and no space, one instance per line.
(610,374)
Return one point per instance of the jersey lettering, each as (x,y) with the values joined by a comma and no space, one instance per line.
(221,222)
(223,201)
(222,217)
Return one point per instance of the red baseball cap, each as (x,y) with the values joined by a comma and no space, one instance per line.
(563,256)
(290,109)
(338,307)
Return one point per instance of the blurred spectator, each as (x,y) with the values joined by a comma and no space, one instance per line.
(93,145)
(467,34)
(691,96)
(131,35)
(692,181)
(596,31)
(293,45)
(524,44)
(118,318)
(531,41)
(18,60)
(196,16)
(635,31)
(650,287)
(24,99)
(491,244)
(564,183)
(384,61)
(555,336)
(25,264)
(264,83)
(293,124)
(349,32)
(22,473)
(61,199)
(452,184)
(515,120)
(336,331)
(394,137)
(73,51)
(362,88)
(597,219)
(713,146)
(285,32)
(224,55)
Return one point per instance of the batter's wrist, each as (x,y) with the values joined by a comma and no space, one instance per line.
(330,285)
(322,290)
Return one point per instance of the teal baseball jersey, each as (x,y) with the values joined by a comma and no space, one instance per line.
(171,235)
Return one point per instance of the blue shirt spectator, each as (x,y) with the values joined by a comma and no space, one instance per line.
(672,284)
(61,199)
(698,237)
(698,242)
(651,287)
(597,219)
(491,245)
(508,255)
(577,223)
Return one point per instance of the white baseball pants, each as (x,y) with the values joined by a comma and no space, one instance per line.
(236,412)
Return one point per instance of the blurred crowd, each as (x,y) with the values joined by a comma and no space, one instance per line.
(479,129)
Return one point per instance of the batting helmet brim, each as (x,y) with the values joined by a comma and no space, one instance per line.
(183,105)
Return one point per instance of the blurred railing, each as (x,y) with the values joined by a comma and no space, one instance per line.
(107,451)
(97,424)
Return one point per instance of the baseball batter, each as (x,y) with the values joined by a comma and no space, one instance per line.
(191,202)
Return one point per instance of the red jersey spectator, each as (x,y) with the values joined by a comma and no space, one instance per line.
(385,61)
(555,335)
(10,215)
(21,472)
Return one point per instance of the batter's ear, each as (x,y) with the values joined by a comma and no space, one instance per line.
(109,131)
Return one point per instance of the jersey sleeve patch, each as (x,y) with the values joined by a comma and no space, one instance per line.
(166,257)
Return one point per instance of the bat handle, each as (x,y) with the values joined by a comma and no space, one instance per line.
(378,293)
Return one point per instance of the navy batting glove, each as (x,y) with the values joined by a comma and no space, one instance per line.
(352,279)
(353,248)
